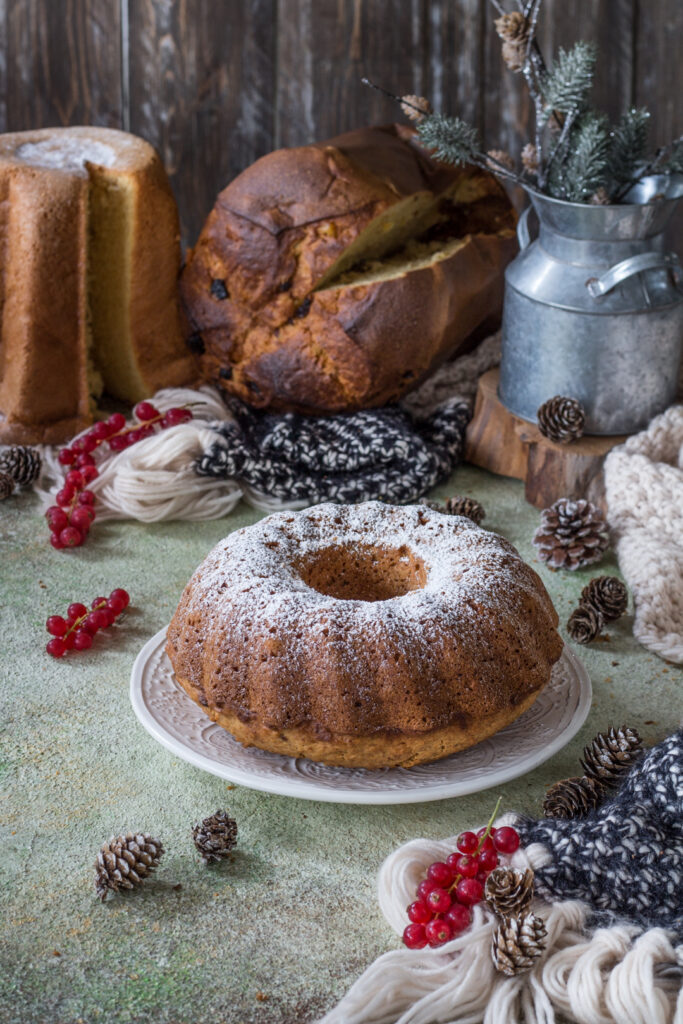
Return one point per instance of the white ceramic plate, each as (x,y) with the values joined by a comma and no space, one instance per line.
(165,710)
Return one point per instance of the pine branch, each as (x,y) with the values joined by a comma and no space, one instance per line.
(452,140)
(584,170)
(569,80)
(674,164)
(457,142)
(628,141)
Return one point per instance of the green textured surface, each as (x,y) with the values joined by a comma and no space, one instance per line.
(294,917)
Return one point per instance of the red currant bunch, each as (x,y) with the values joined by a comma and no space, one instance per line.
(452,887)
(76,630)
(71,517)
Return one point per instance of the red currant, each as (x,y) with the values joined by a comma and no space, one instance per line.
(56,541)
(84,460)
(116,605)
(458,917)
(437,932)
(81,519)
(466,865)
(100,618)
(440,873)
(175,416)
(86,498)
(419,912)
(146,411)
(481,877)
(506,839)
(116,422)
(101,431)
(469,891)
(56,647)
(76,610)
(56,517)
(91,624)
(89,473)
(488,860)
(88,443)
(65,496)
(98,602)
(71,537)
(56,625)
(414,936)
(439,900)
(118,443)
(69,641)
(82,640)
(424,889)
(66,457)
(74,479)
(467,842)
(134,436)
(121,595)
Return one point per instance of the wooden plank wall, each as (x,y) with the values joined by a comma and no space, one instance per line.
(214,84)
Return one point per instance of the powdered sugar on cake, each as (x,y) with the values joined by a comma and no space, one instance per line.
(469,570)
(66,152)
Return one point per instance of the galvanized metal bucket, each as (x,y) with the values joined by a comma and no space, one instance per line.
(594,309)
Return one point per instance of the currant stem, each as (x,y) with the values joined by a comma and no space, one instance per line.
(77,622)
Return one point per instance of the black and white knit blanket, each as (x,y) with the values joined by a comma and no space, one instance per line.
(352,457)
(625,859)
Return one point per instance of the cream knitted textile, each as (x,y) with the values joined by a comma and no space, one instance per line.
(644,491)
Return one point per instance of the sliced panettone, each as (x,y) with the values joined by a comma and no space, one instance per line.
(335,276)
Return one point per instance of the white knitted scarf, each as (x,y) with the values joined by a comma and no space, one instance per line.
(619,975)
(644,490)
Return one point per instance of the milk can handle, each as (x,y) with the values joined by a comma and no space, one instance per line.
(598,286)
(523,234)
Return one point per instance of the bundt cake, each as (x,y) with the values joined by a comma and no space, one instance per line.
(89,262)
(335,276)
(368,635)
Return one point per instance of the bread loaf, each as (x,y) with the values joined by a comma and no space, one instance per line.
(336,276)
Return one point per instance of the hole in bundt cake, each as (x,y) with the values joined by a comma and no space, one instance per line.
(362,573)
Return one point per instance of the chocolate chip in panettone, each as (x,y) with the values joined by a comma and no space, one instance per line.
(225,372)
(218,289)
(195,343)
(285,286)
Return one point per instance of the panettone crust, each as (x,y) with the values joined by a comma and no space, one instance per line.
(274,319)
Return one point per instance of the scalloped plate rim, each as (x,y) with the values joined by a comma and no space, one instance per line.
(307,790)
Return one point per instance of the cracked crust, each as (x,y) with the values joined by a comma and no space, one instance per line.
(295,331)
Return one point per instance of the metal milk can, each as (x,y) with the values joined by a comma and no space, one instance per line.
(594,309)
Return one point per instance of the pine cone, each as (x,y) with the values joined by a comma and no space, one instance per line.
(530,158)
(561,419)
(215,837)
(6,486)
(573,798)
(125,861)
(500,156)
(607,595)
(23,464)
(517,943)
(409,105)
(584,624)
(600,197)
(571,534)
(509,892)
(460,505)
(611,755)
(513,29)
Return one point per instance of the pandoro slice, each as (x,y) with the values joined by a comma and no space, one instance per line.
(89,262)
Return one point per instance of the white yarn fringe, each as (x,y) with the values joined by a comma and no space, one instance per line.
(153,480)
(610,977)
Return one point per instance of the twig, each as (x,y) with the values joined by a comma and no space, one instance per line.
(649,168)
